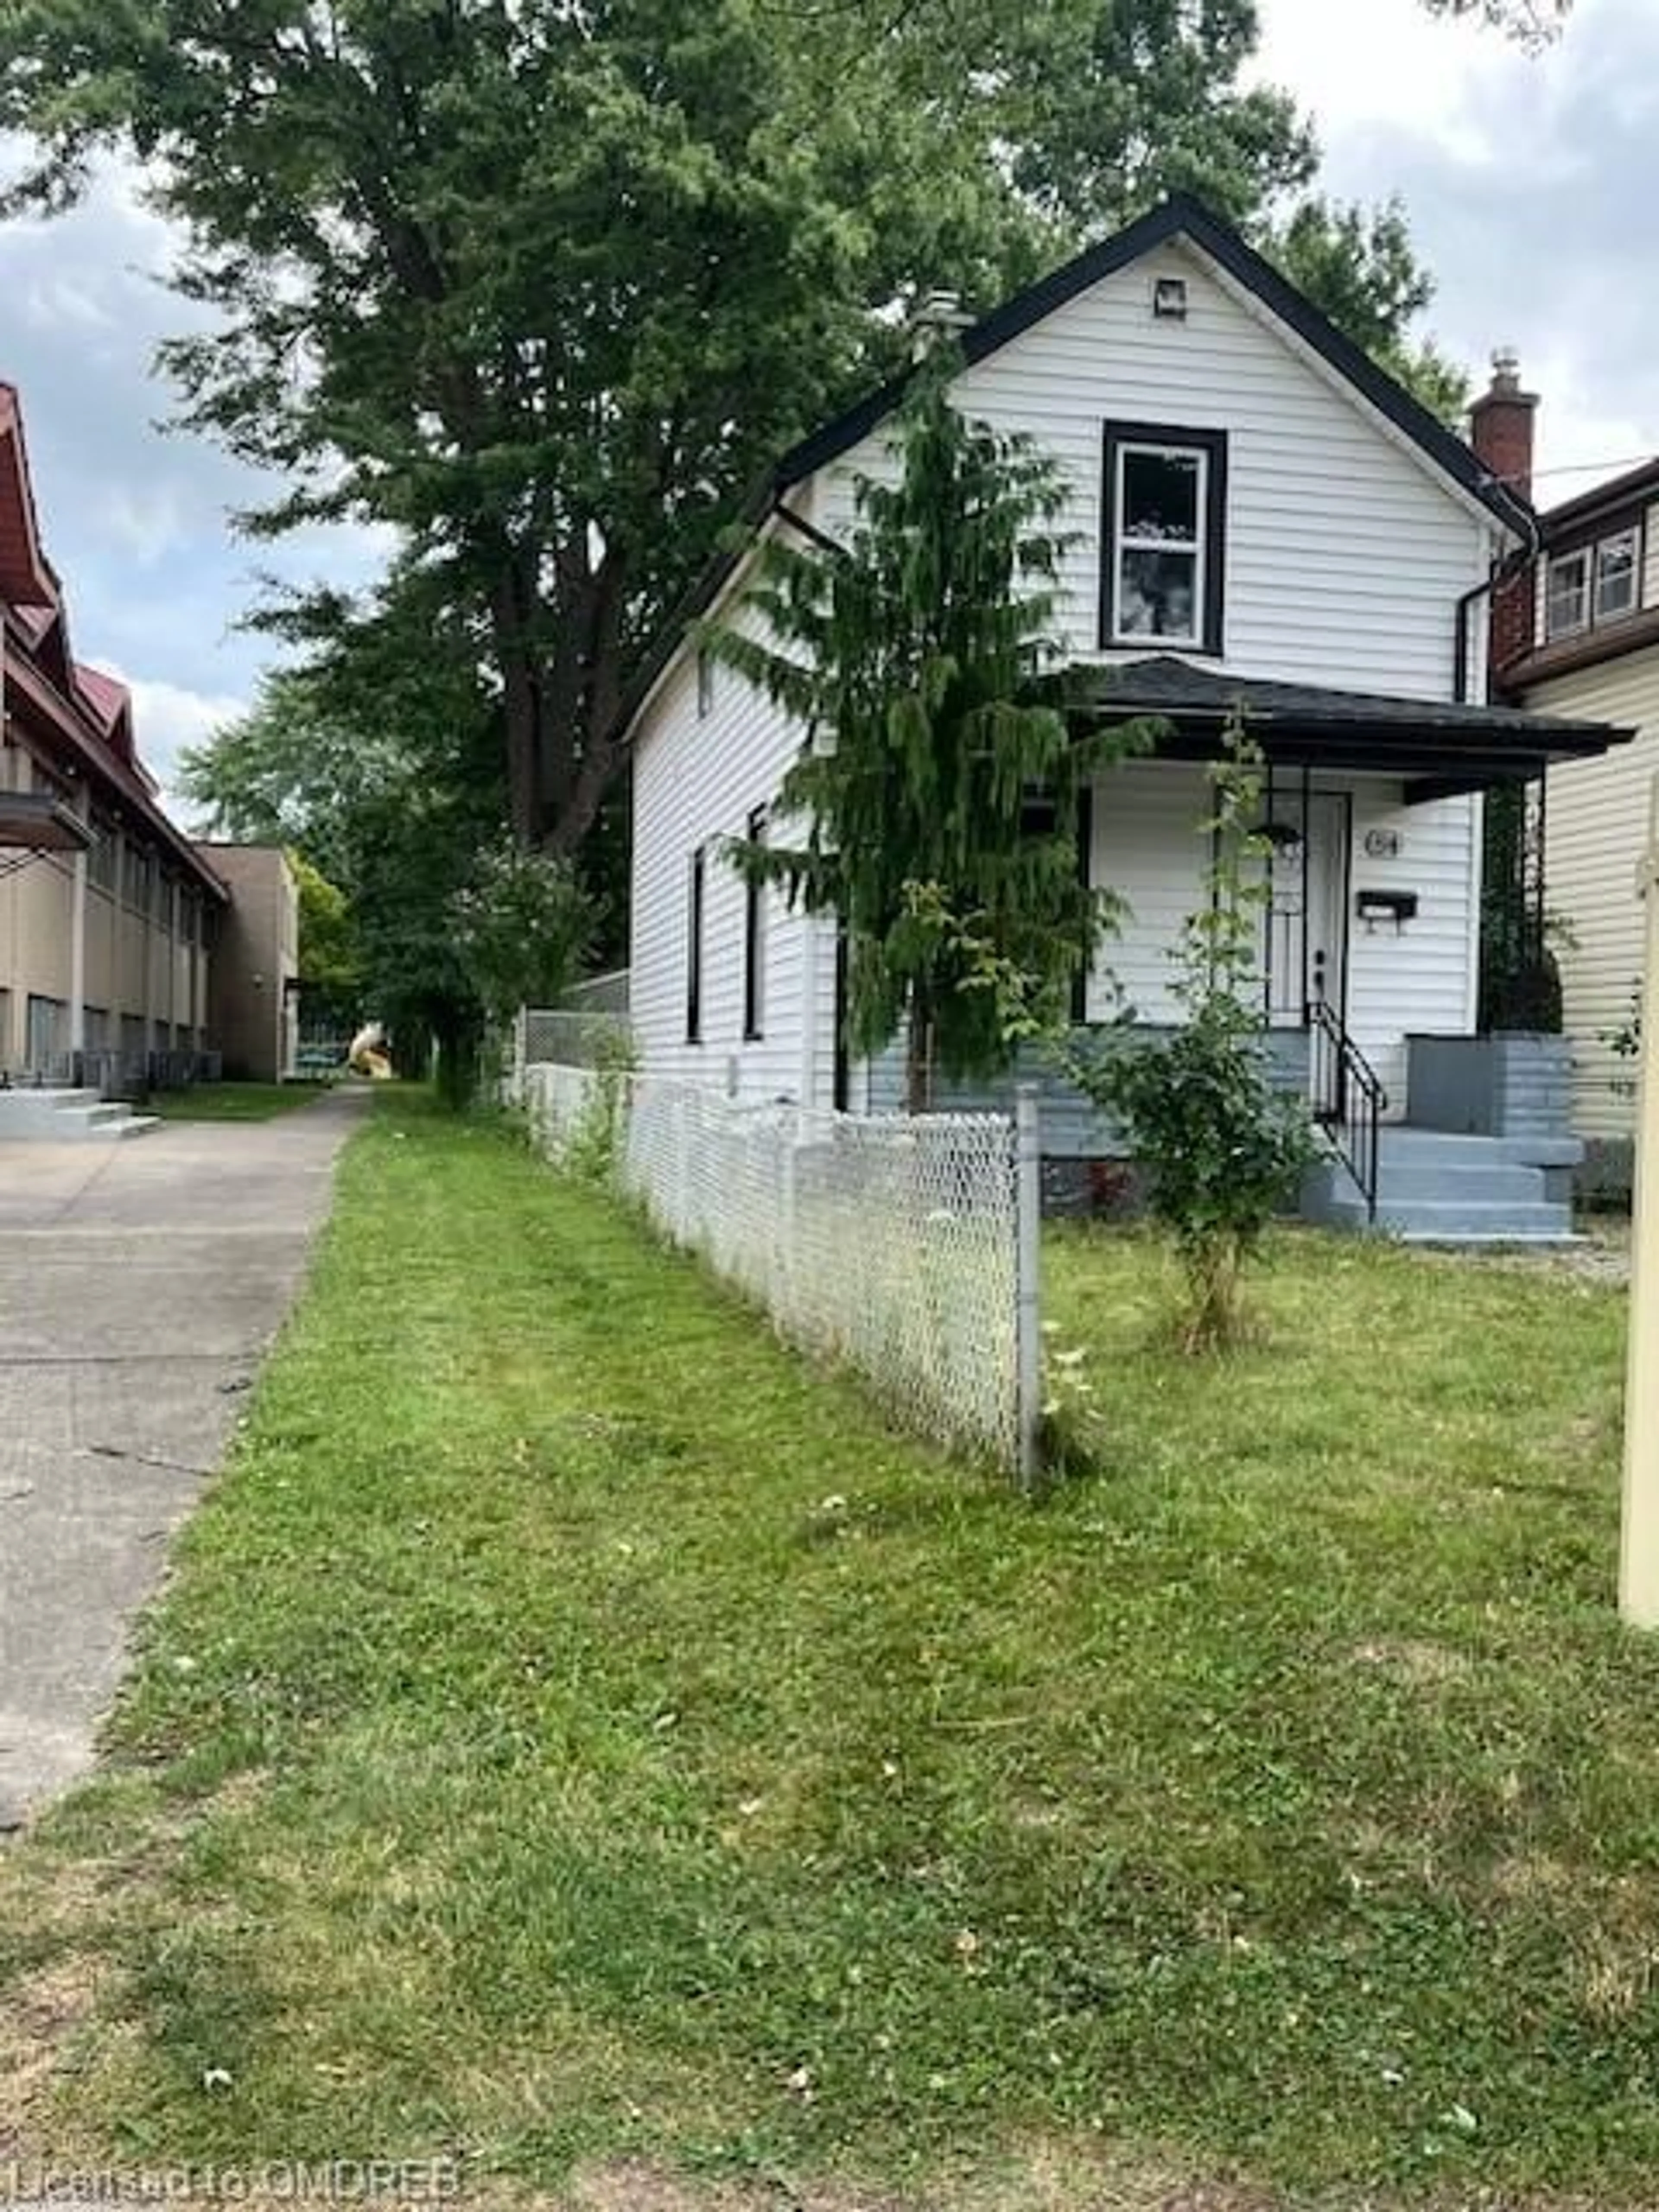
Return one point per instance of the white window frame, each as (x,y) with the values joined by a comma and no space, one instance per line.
(1123,542)
(1583,557)
(1630,538)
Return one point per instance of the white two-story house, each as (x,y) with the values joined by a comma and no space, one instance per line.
(1262,519)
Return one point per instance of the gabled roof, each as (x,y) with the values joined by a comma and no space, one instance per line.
(1180,216)
(108,700)
(26,579)
(1636,486)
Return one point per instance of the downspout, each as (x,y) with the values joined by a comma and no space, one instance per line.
(1503,571)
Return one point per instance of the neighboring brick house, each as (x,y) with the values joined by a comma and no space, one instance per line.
(1577,633)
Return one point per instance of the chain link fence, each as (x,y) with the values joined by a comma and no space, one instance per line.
(905,1247)
(557,1037)
(566,1107)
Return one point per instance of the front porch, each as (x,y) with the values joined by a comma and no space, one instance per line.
(1372,811)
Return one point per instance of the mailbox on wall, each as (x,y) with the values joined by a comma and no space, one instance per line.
(1375,906)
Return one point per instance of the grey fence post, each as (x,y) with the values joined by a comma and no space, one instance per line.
(1028,1228)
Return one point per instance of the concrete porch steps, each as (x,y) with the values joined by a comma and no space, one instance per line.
(1437,1189)
(57,1116)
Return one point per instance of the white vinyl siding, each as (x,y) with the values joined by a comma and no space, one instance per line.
(1148,849)
(1344,555)
(1343,559)
(1596,832)
(1422,976)
(697,782)
(1417,977)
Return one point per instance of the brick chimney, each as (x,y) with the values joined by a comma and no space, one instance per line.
(1501,424)
(1501,427)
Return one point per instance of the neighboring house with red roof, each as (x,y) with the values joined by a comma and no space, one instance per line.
(109,913)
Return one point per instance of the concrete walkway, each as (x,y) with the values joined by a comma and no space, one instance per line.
(140,1287)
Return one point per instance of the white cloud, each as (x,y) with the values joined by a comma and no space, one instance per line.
(145,522)
(54,302)
(1525,178)
(1355,62)
(168,717)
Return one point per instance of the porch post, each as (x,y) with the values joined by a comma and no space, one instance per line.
(1638,1555)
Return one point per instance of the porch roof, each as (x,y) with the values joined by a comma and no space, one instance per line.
(1436,747)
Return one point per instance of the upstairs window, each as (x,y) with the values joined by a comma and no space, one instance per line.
(1163,565)
(1616,560)
(1567,598)
(1593,584)
(104,856)
(705,686)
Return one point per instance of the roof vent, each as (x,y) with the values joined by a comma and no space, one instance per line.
(1169,299)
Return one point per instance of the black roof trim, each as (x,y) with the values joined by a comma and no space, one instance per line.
(1637,487)
(1182,216)
(697,600)
(1191,698)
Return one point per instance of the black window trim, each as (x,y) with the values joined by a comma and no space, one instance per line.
(754,941)
(1213,444)
(694,922)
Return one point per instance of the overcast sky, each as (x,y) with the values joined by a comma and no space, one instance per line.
(1523,180)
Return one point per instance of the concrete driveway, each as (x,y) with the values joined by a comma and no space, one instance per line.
(141,1284)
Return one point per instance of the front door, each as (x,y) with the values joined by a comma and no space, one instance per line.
(1304,935)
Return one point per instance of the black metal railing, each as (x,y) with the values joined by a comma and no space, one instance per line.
(1348,1100)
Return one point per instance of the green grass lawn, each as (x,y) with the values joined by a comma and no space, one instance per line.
(576,1731)
(232,1101)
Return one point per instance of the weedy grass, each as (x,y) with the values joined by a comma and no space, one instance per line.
(577,1730)
(232,1101)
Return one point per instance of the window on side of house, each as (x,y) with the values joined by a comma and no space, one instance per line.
(1566,596)
(1617,562)
(754,941)
(135,867)
(694,948)
(102,855)
(1164,506)
(1597,582)
(705,684)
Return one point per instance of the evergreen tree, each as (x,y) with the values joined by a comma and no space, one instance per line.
(939,773)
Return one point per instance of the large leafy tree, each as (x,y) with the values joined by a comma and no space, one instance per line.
(937,791)
(378,761)
(539,285)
